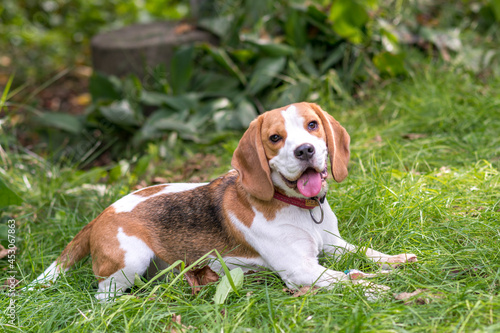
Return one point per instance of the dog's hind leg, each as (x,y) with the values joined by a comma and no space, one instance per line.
(117,269)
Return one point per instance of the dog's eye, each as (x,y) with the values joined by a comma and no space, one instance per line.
(312,125)
(275,138)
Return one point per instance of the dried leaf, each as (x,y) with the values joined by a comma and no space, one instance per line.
(405,296)
(443,170)
(199,277)
(159,180)
(183,28)
(4,79)
(82,99)
(142,184)
(177,320)
(413,136)
(5,61)
(4,252)
(305,290)
(302,291)
(409,298)
(9,282)
(155,297)
(83,71)
(256,278)
(249,272)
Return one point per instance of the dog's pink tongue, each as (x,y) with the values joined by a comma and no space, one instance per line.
(309,184)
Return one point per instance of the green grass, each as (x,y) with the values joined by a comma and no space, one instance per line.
(436,196)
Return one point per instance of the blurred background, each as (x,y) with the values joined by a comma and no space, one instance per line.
(263,54)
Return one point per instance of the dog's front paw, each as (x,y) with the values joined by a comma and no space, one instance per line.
(398,260)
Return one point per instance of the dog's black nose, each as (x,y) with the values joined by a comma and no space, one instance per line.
(304,152)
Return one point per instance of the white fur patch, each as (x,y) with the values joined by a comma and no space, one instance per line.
(129,202)
(137,259)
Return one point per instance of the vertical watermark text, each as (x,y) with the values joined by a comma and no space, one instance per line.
(10,311)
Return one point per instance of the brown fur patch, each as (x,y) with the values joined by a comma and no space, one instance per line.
(306,111)
(235,200)
(268,208)
(149,191)
(337,141)
(78,248)
(273,123)
(107,256)
(185,226)
(251,161)
(238,202)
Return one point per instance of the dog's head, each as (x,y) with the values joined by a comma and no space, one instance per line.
(288,148)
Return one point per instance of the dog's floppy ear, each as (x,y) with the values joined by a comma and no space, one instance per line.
(250,160)
(337,141)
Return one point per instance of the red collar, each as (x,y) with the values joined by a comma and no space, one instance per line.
(302,203)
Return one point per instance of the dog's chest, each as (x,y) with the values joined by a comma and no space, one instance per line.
(291,227)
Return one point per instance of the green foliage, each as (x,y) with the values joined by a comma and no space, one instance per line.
(390,64)
(263,61)
(5,93)
(43,36)
(61,121)
(271,53)
(225,286)
(349,18)
(7,196)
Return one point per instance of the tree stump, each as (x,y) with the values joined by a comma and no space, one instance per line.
(137,48)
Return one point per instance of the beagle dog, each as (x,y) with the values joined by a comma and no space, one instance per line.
(270,212)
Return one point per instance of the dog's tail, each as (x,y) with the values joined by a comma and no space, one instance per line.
(75,251)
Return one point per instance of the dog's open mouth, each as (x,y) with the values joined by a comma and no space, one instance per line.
(310,183)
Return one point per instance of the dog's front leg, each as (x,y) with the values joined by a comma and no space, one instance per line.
(336,245)
(292,252)
(296,261)
(308,272)
(295,258)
